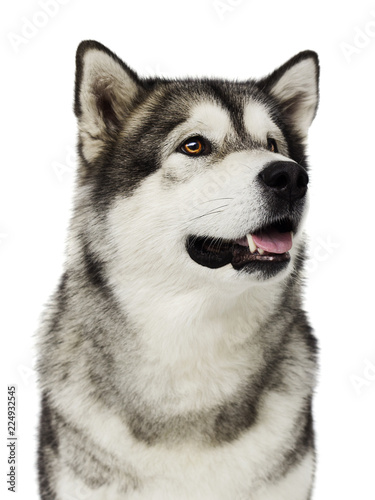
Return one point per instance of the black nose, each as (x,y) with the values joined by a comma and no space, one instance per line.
(287,180)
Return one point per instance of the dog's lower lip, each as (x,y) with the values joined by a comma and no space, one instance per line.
(214,253)
(242,256)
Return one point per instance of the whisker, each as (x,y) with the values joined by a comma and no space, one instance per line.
(210,201)
(204,215)
(247,166)
(216,199)
(217,242)
(211,212)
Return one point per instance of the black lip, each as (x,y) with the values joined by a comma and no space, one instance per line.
(218,252)
(242,258)
(209,252)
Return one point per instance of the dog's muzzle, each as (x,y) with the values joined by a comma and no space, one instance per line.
(265,249)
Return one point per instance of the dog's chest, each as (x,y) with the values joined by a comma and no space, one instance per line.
(188,470)
(191,472)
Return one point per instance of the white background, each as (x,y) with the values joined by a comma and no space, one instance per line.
(234,39)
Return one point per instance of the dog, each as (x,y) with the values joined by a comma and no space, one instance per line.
(175,357)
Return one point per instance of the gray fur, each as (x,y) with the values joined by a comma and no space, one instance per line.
(89,341)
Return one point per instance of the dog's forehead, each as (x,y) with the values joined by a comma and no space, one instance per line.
(258,121)
(210,116)
(244,116)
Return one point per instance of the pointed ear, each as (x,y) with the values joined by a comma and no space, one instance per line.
(105,90)
(295,87)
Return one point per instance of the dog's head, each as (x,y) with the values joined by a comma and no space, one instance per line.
(199,179)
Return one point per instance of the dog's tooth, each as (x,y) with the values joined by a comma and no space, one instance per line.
(261,251)
(252,245)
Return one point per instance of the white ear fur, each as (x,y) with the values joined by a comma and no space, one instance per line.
(105,91)
(295,86)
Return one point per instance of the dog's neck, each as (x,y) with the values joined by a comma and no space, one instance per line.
(195,347)
(206,314)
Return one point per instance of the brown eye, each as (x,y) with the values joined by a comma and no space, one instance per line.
(195,146)
(271,145)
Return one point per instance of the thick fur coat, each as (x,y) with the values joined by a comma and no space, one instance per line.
(175,361)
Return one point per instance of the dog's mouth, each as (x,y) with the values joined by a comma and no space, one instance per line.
(268,245)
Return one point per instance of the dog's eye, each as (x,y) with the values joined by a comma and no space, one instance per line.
(195,146)
(272,145)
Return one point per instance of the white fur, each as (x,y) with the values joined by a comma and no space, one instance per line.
(205,350)
(259,123)
(69,487)
(207,119)
(191,471)
(294,485)
(100,68)
(299,79)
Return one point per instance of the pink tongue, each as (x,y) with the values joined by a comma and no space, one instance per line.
(272,241)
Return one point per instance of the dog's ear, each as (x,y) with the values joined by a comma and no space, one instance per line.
(105,90)
(295,86)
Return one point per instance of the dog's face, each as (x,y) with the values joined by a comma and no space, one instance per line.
(199,179)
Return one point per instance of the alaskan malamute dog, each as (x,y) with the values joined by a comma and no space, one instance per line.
(176,361)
